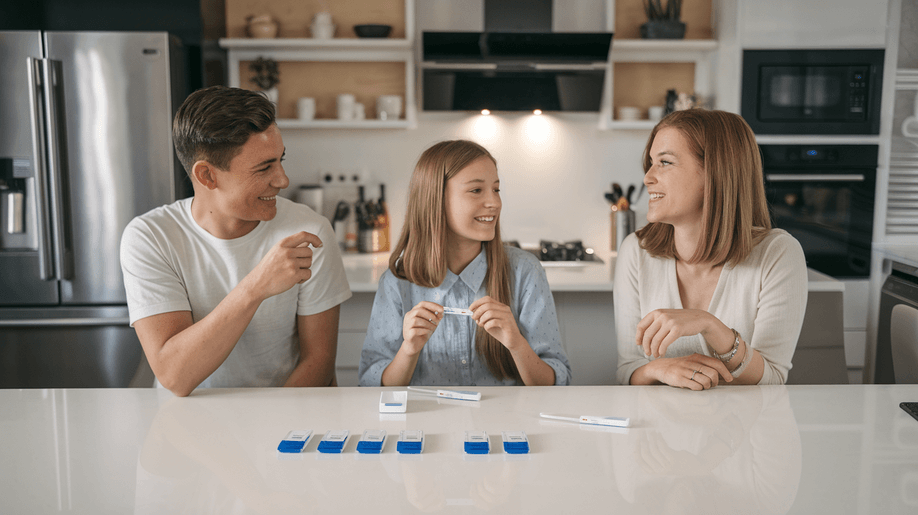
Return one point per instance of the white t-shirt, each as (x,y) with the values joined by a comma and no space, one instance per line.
(763,298)
(172,264)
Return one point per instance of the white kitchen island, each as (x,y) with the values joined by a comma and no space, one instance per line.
(754,450)
(583,298)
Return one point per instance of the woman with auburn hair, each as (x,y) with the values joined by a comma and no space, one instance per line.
(450,255)
(707,291)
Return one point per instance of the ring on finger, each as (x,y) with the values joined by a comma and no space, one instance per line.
(693,375)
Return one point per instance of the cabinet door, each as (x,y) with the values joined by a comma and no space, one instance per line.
(813,23)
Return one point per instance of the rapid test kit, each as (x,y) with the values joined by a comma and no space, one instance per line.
(591,420)
(462,395)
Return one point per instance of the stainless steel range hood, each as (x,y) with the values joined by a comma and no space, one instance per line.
(516,64)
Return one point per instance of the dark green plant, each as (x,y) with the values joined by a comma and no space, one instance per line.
(266,73)
(656,11)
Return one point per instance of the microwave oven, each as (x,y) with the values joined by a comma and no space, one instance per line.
(812,91)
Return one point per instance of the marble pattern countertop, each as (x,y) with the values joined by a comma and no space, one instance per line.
(364,270)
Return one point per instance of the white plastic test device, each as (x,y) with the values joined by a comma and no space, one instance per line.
(462,395)
(591,419)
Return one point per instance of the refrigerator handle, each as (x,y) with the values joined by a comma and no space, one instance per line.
(42,210)
(53,88)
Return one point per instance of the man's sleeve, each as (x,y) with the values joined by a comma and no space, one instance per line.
(328,285)
(151,281)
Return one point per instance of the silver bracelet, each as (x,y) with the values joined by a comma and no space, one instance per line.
(747,357)
(727,356)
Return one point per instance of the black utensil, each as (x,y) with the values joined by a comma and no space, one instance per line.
(628,195)
(341,211)
(617,188)
(612,197)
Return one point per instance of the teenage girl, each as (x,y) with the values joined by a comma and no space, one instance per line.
(450,255)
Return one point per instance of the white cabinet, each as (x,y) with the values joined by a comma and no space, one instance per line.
(641,70)
(813,23)
(855,322)
(324,68)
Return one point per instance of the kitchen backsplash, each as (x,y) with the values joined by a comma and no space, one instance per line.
(553,168)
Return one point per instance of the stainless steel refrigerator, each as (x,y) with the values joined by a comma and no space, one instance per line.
(85,145)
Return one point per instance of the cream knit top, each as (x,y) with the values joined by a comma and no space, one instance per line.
(763,298)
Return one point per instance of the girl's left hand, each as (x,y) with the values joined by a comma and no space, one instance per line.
(661,327)
(497,319)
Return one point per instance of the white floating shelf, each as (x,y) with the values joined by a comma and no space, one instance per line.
(696,45)
(637,125)
(315,44)
(291,123)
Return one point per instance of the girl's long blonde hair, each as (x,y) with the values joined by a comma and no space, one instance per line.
(420,254)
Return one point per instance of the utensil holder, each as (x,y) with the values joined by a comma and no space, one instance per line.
(372,240)
(622,224)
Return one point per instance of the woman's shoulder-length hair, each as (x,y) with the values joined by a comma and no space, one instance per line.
(735,214)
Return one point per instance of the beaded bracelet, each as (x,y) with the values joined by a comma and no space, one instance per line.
(727,356)
(747,357)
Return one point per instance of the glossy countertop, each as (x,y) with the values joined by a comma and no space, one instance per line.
(771,450)
(364,270)
(902,253)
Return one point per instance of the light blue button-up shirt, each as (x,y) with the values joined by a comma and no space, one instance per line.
(449,358)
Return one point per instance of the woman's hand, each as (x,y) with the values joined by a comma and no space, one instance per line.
(661,327)
(497,319)
(419,324)
(695,372)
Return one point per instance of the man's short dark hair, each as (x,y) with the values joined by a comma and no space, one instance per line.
(214,123)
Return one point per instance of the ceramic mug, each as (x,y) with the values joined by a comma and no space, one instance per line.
(322,30)
(345,107)
(389,107)
(655,113)
(306,108)
(322,18)
(629,113)
(359,111)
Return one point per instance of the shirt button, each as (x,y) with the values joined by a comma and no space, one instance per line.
(464,362)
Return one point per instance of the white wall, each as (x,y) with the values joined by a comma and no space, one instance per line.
(554,168)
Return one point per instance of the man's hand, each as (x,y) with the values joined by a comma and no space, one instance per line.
(284,266)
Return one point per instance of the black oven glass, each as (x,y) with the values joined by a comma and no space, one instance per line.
(824,196)
(812,91)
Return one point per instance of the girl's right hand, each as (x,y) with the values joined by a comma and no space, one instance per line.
(419,324)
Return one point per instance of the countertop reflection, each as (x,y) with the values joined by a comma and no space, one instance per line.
(794,449)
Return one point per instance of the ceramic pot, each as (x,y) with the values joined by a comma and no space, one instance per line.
(262,27)
(663,29)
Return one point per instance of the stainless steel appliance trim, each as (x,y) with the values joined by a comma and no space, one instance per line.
(815,177)
(65,322)
(573,67)
(15,219)
(45,263)
(52,78)
(459,66)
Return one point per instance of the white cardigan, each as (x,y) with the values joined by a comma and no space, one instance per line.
(763,298)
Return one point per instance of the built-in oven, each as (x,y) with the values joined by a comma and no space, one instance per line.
(812,91)
(823,195)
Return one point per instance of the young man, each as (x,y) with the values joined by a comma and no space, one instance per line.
(233,287)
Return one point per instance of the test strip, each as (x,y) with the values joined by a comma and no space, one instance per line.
(333,441)
(410,442)
(295,441)
(592,420)
(372,441)
(477,442)
(462,395)
(515,442)
(457,311)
